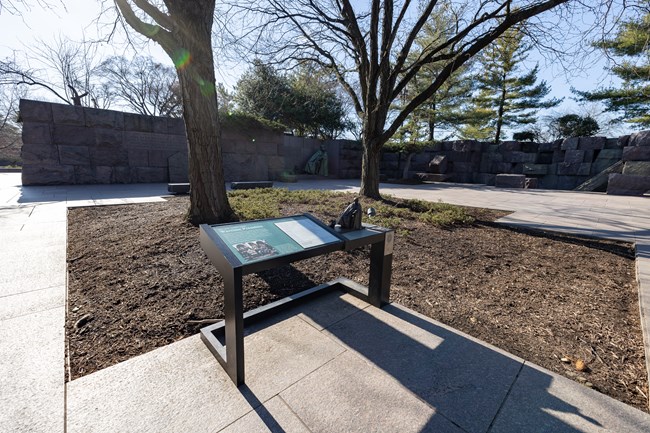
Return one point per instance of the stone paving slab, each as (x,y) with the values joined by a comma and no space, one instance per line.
(350,394)
(436,363)
(544,402)
(32,302)
(177,388)
(32,372)
(274,416)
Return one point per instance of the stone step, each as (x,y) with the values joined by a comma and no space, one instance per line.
(628,184)
(251,185)
(432,177)
(178,188)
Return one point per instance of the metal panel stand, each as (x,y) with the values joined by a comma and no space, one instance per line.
(231,354)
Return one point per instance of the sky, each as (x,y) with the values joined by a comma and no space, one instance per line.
(77,20)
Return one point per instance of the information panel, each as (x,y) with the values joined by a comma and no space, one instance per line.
(260,240)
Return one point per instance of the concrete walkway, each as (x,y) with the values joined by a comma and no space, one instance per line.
(333,365)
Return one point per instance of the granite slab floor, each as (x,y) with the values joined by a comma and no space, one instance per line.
(333,365)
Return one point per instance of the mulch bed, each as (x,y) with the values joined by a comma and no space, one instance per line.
(137,275)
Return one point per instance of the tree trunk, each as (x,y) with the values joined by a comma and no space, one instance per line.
(502,102)
(371,156)
(195,65)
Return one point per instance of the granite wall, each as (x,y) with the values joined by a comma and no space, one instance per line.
(64,144)
(562,164)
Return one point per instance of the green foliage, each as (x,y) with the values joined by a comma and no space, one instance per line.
(504,97)
(528,135)
(632,100)
(305,103)
(245,122)
(573,125)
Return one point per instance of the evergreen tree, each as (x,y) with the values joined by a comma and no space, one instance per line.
(505,98)
(632,99)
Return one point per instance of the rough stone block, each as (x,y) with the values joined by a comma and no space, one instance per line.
(584,169)
(485,178)
(627,184)
(160,125)
(552,168)
(48,175)
(74,155)
(463,167)
(602,164)
(548,182)
(85,175)
(510,146)
(138,158)
(637,168)
(432,177)
(558,155)
(612,143)
(158,158)
(548,147)
(610,154)
(108,138)
(568,182)
(176,126)
(72,135)
(568,168)
(517,168)
(636,153)
(513,156)
(109,157)
(641,138)
(544,158)
(448,145)
(104,118)
(460,156)
(623,141)
(251,185)
(68,115)
(137,122)
(438,165)
(510,181)
(570,143)
(269,149)
(36,133)
(574,156)
(530,147)
(589,155)
(103,174)
(592,143)
(501,167)
(35,111)
(462,177)
(178,168)
(531,183)
(37,154)
(462,146)
(150,174)
(535,168)
(121,175)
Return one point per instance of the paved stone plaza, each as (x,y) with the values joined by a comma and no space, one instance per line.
(335,364)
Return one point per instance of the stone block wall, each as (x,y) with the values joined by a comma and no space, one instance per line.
(562,164)
(64,144)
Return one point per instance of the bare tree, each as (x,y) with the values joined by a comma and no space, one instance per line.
(369,49)
(183,29)
(147,87)
(10,131)
(66,69)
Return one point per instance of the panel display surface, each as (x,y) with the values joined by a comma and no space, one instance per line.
(260,240)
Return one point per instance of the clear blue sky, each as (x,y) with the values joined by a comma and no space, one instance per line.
(21,32)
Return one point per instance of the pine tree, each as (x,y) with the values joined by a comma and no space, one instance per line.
(505,98)
(632,99)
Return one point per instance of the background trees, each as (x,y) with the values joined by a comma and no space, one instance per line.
(631,51)
(368,49)
(145,86)
(305,102)
(505,98)
(573,125)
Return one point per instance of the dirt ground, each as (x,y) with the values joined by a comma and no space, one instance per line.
(137,275)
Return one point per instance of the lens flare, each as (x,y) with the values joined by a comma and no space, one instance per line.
(182,58)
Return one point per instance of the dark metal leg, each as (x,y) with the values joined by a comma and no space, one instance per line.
(381,264)
(234,313)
